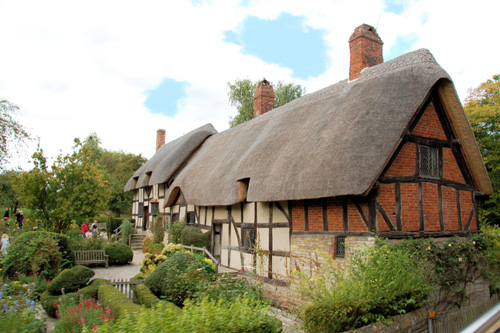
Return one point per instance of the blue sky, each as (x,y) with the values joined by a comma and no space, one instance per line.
(166,64)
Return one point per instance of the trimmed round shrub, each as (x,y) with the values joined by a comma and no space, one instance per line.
(180,277)
(119,304)
(70,279)
(119,253)
(193,236)
(40,252)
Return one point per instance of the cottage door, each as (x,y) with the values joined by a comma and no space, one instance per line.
(145,224)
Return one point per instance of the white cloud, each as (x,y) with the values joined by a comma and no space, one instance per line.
(82,67)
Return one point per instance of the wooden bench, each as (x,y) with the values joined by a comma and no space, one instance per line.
(91,257)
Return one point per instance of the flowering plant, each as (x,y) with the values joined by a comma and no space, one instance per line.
(88,313)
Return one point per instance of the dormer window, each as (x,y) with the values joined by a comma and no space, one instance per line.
(428,161)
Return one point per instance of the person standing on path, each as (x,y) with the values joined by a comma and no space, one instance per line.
(6,215)
(94,228)
(20,218)
(5,243)
(85,228)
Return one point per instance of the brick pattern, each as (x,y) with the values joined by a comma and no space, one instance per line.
(334,214)
(387,199)
(160,138)
(298,217)
(431,207)
(263,100)
(467,206)
(451,170)
(365,48)
(409,207)
(450,209)
(429,125)
(404,164)
(315,214)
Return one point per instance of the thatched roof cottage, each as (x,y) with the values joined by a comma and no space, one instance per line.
(388,151)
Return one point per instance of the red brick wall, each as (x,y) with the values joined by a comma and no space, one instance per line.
(355,221)
(298,218)
(451,171)
(315,215)
(404,164)
(431,207)
(409,207)
(467,206)
(387,199)
(334,213)
(429,125)
(450,209)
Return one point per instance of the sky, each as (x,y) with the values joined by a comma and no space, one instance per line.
(124,69)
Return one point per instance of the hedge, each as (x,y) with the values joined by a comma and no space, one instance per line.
(70,279)
(119,304)
(119,253)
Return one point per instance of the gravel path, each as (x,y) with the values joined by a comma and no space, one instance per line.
(120,272)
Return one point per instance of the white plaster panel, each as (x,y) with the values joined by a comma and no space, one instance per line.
(224,256)
(236,213)
(281,239)
(262,265)
(280,265)
(190,208)
(220,213)
(278,216)
(235,260)
(262,238)
(262,212)
(247,262)
(225,235)
(234,236)
(248,212)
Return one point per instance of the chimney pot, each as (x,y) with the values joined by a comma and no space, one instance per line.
(160,138)
(263,99)
(366,50)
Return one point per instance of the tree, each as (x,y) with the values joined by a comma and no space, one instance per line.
(10,129)
(120,167)
(241,94)
(483,109)
(73,188)
(8,197)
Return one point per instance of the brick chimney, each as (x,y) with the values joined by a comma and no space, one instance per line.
(366,50)
(160,138)
(263,100)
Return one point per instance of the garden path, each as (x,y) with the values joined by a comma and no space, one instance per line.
(120,272)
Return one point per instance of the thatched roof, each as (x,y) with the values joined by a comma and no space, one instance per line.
(169,158)
(333,142)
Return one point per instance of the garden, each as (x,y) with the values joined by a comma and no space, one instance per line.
(178,290)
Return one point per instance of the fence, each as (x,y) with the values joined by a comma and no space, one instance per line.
(460,319)
(125,286)
(205,252)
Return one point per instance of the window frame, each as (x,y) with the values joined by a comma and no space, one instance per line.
(340,246)
(249,242)
(428,164)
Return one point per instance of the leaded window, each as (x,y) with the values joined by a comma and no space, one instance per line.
(340,246)
(249,238)
(428,161)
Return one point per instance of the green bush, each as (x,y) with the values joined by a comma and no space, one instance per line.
(119,303)
(112,224)
(40,252)
(244,315)
(193,236)
(180,277)
(127,230)
(50,303)
(70,279)
(492,237)
(158,230)
(174,231)
(380,282)
(118,253)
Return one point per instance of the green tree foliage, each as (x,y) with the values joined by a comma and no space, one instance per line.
(10,129)
(73,188)
(8,197)
(483,109)
(120,167)
(241,94)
